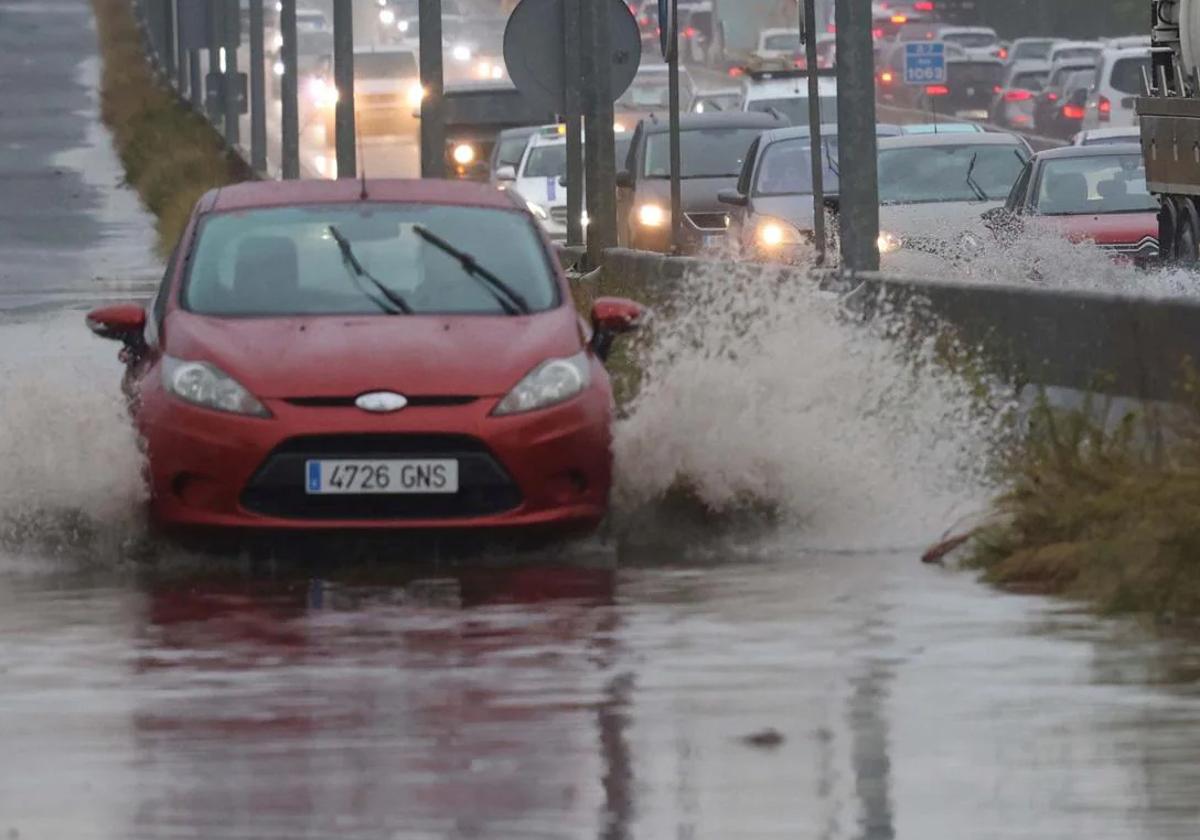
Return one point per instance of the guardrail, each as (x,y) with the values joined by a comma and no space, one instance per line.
(1115,344)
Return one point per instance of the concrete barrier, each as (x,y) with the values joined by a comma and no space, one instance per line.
(1104,343)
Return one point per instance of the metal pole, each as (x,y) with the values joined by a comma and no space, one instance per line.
(433,124)
(572,67)
(343,79)
(184,85)
(673,128)
(808,28)
(601,144)
(258,89)
(858,214)
(232,82)
(195,79)
(214,59)
(289,91)
(170,56)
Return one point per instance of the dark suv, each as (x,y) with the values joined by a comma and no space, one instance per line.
(713,147)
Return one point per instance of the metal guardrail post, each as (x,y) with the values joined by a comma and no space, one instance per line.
(433,116)
(574,105)
(290,91)
(258,94)
(170,54)
(231,79)
(195,74)
(600,142)
(673,139)
(808,25)
(343,78)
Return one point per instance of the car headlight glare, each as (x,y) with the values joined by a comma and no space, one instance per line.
(888,242)
(651,216)
(402,25)
(550,383)
(206,385)
(387,17)
(416,93)
(775,233)
(324,95)
(537,210)
(461,52)
(279,68)
(464,154)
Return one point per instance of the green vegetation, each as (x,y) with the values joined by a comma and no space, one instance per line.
(1105,511)
(171,154)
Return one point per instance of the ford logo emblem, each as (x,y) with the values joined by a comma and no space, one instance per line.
(381,402)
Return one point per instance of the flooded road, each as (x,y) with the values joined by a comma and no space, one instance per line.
(808,681)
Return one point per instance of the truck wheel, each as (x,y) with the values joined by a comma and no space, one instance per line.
(1168,223)
(1188,234)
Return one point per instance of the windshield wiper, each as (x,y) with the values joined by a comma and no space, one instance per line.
(394,304)
(512,301)
(971,182)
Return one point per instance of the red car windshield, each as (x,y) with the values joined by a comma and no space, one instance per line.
(1092,185)
(288,261)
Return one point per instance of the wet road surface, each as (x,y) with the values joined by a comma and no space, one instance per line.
(712,688)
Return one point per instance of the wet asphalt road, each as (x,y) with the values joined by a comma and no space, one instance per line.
(722,688)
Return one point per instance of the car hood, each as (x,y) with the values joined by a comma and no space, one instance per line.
(340,356)
(1106,229)
(699,194)
(943,220)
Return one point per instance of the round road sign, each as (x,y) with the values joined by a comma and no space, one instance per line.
(666,29)
(533,41)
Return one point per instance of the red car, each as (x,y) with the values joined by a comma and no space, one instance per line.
(395,354)
(1086,193)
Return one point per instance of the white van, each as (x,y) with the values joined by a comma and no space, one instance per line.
(1120,80)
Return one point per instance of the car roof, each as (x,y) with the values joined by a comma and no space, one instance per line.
(779,30)
(794,87)
(798,132)
(521,131)
(947,127)
(1099,133)
(917,141)
(1067,45)
(1129,50)
(966,30)
(1065,152)
(713,119)
(261,194)
(1026,65)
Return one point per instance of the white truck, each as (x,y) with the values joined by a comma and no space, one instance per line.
(1169,112)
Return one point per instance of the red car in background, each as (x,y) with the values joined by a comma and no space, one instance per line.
(1087,193)
(392,354)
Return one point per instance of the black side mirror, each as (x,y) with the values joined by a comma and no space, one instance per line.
(562,180)
(625,179)
(733,198)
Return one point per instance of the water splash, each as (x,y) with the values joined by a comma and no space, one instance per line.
(71,477)
(761,388)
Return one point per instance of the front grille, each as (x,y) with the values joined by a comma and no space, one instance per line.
(558,215)
(708,221)
(278,487)
(1146,247)
(432,401)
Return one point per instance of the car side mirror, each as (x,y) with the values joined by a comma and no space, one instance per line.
(625,179)
(124,323)
(506,173)
(612,316)
(733,198)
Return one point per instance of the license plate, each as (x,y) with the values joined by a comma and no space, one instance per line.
(381,477)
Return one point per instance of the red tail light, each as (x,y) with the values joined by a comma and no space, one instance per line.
(923,6)
(1017,95)
(1073,112)
(1053,97)
(1002,53)
(1105,108)
(996,88)
(877,34)
(937,90)
(735,72)
(690,32)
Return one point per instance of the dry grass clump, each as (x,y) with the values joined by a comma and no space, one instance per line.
(171,154)
(1106,512)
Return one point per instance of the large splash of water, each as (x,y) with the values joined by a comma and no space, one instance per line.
(758,388)
(70,466)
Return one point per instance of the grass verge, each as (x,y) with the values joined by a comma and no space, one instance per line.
(1104,511)
(171,154)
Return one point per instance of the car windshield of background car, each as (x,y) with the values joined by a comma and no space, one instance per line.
(795,108)
(1127,75)
(940,173)
(786,168)
(1094,185)
(286,261)
(546,162)
(704,153)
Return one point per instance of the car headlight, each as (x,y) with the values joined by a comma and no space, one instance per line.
(464,154)
(278,41)
(206,385)
(402,25)
(550,383)
(537,210)
(416,93)
(889,242)
(279,68)
(323,94)
(387,17)
(461,52)
(775,233)
(651,216)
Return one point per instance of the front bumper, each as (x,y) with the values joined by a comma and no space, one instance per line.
(547,468)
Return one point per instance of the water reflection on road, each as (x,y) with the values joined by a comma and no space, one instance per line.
(597,699)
